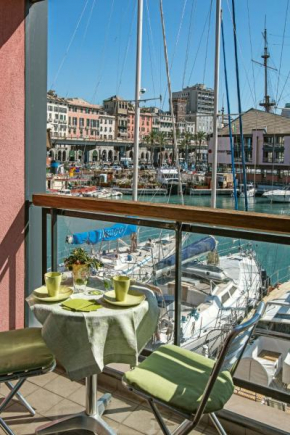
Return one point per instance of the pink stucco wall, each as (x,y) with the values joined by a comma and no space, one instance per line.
(12,96)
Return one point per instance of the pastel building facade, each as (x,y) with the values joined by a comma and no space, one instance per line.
(145,124)
(83,119)
(266,145)
(57,115)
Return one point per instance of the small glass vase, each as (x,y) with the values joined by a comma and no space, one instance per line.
(81,274)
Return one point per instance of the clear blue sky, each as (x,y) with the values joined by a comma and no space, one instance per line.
(92,48)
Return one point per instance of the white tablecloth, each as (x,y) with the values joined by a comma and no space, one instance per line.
(85,342)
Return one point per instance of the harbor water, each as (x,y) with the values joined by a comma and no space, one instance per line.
(274,258)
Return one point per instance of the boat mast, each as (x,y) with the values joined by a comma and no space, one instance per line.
(137,96)
(216,98)
(267,103)
(176,152)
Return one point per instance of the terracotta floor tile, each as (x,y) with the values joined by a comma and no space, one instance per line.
(26,389)
(118,410)
(25,425)
(79,396)
(43,379)
(144,420)
(43,400)
(62,386)
(63,408)
(120,428)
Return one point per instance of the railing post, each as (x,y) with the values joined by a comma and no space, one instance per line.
(44,243)
(53,213)
(178,273)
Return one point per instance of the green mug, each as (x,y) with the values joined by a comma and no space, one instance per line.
(53,281)
(121,287)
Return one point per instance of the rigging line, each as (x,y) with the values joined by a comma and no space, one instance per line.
(286,80)
(199,45)
(150,56)
(241,53)
(104,50)
(74,72)
(155,63)
(229,120)
(193,7)
(206,46)
(127,47)
(240,106)
(175,45)
(251,45)
(176,152)
(282,48)
(89,20)
(120,42)
(69,45)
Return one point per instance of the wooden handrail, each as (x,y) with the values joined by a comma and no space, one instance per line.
(169,212)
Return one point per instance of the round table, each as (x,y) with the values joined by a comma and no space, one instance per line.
(85,342)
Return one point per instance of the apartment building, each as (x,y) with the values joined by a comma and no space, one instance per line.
(107,127)
(118,107)
(266,145)
(83,119)
(199,106)
(145,124)
(57,115)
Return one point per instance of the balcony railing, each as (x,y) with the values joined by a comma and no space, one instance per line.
(272,229)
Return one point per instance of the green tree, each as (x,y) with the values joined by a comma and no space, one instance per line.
(185,144)
(161,140)
(200,136)
(151,140)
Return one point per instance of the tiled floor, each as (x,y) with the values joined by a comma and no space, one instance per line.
(54,396)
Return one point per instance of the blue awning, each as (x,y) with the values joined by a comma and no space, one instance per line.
(195,249)
(105,234)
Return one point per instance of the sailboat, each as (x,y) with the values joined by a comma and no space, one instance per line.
(216,294)
(117,248)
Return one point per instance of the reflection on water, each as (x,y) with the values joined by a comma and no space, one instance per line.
(258,204)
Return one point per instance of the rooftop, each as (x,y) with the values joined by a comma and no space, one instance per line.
(255,119)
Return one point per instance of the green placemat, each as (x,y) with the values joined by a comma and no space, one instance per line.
(84,305)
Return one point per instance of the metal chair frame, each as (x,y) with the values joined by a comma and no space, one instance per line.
(14,390)
(192,420)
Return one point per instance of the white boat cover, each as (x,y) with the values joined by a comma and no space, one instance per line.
(259,370)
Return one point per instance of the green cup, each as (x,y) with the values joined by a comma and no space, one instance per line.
(53,281)
(121,286)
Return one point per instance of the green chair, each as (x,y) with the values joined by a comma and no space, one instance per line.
(188,384)
(23,354)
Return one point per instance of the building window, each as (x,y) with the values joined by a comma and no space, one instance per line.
(75,121)
(81,122)
(88,122)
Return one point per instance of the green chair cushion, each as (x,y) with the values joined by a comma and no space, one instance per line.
(22,350)
(178,377)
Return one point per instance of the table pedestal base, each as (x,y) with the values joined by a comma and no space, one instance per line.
(90,420)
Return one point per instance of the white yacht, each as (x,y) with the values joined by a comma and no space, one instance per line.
(279,195)
(216,294)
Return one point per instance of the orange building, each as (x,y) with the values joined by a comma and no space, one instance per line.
(145,126)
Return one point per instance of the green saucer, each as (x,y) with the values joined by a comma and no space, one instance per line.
(133,298)
(42,295)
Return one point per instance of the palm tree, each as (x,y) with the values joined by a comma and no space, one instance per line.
(185,143)
(151,139)
(200,136)
(161,140)
(178,137)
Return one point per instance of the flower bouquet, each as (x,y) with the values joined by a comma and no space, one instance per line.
(80,263)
